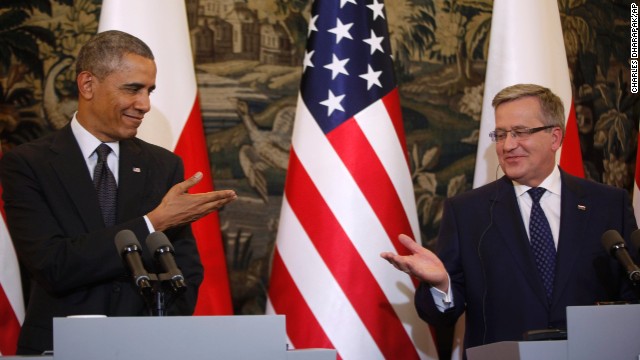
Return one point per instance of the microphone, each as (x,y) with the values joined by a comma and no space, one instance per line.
(613,242)
(163,252)
(129,249)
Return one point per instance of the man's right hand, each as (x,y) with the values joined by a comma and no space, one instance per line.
(422,263)
(178,207)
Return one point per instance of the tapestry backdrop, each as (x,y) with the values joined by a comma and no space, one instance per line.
(248,58)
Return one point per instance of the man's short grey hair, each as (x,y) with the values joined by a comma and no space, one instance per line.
(104,52)
(550,104)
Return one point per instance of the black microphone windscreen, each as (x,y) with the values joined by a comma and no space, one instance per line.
(611,238)
(125,238)
(156,240)
(635,239)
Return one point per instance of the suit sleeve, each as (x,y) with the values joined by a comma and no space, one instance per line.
(58,260)
(628,291)
(448,252)
(187,259)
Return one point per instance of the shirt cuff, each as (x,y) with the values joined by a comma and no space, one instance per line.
(149,225)
(443,301)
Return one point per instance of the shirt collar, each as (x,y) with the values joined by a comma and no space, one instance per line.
(88,143)
(552,183)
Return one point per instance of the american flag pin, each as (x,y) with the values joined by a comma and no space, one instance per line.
(582,207)
(136,169)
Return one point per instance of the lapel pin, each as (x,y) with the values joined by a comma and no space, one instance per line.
(582,207)
(136,169)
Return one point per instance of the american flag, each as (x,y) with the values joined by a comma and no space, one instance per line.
(11,301)
(348,195)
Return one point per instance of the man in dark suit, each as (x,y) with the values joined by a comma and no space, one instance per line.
(61,235)
(487,263)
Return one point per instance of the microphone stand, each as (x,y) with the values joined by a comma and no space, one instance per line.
(160,306)
(161,293)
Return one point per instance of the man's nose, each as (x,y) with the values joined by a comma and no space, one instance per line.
(143,103)
(510,141)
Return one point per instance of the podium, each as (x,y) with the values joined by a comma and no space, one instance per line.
(520,350)
(603,332)
(593,332)
(177,337)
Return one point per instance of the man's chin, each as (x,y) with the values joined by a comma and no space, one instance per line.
(130,134)
(512,172)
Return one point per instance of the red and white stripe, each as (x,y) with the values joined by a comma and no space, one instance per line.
(526,47)
(11,300)
(175,121)
(347,196)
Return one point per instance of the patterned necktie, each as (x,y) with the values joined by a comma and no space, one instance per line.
(544,250)
(105,184)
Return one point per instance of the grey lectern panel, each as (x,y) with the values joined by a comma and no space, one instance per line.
(520,350)
(604,332)
(170,338)
(312,354)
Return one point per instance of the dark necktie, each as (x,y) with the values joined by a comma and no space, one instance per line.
(544,250)
(105,184)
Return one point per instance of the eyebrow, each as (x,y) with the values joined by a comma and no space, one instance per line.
(137,86)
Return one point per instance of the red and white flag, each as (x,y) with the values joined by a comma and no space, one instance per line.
(348,194)
(526,47)
(175,121)
(11,301)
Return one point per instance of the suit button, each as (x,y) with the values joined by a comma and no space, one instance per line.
(116,287)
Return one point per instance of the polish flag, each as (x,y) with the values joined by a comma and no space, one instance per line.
(526,47)
(11,302)
(175,122)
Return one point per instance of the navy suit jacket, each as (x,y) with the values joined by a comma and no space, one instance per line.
(484,247)
(57,229)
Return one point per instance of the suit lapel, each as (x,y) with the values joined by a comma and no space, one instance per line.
(514,235)
(71,168)
(574,213)
(133,174)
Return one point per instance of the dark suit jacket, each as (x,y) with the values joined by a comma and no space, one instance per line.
(485,248)
(57,229)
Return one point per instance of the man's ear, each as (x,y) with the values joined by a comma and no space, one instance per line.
(557,137)
(86,83)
